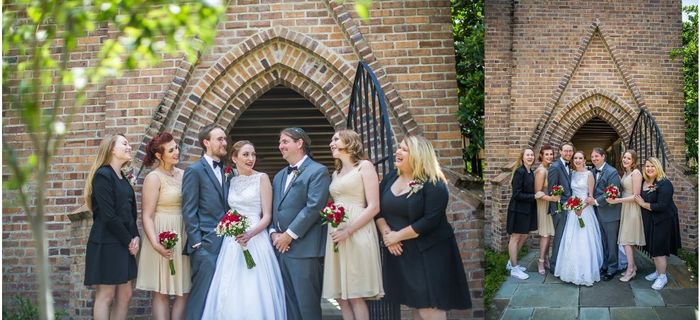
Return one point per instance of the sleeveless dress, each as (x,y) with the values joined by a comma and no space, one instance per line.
(154,270)
(545,226)
(237,292)
(355,270)
(581,250)
(631,225)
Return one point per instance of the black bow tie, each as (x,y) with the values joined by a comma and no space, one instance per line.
(566,163)
(217,164)
(291,169)
(596,171)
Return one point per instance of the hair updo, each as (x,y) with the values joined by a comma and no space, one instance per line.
(156,146)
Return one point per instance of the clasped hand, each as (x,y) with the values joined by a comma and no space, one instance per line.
(134,246)
(243,239)
(392,242)
(281,241)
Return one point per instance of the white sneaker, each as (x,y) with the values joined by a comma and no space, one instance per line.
(518,273)
(659,284)
(509,266)
(652,276)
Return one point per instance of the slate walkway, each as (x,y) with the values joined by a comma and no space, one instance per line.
(546,297)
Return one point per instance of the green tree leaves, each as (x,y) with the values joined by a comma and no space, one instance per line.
(689,54)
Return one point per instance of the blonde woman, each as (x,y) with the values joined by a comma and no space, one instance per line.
(161,211)
(660,217)
(545,226)
(422,267)
(110,263)
(631,226)
(354,273)
(522,210)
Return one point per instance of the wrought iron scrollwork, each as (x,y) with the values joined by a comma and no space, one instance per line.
(646,138)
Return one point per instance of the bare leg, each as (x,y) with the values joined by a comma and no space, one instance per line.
(160,306)
(103,301)
(514,247)
(432,314)
(345,309)
(359,309)
(660,263)
(121,302)
(629,252)
(178,312)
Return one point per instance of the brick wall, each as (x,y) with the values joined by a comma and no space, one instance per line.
(309,46)
(551,69)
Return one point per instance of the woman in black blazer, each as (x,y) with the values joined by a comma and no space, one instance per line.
(522,210)
(113,243)
(660,218)
(422,265)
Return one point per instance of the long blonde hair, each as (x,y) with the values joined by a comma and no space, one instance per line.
(519,162)
(660,174)
(104,156)
(422,158)
(353,146)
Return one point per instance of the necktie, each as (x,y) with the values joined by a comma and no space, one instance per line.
(291,169)
(217,164)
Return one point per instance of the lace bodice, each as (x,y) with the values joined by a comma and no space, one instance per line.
(579,184)
(244,196)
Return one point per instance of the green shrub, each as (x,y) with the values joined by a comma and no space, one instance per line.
(495,272)
(24,309)
(691,260)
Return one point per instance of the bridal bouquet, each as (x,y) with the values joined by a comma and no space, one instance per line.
(558,190)
(334,215)
(234,224)
(612,192)
(169,239)
(575,204)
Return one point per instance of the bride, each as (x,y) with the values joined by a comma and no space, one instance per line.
(237,292)
(581,251)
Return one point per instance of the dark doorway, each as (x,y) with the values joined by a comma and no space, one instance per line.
(277,109)
(598,133)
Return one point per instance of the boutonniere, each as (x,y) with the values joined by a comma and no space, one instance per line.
(227,171)
(652,188)
(415,186)
(296,172)
(128,172)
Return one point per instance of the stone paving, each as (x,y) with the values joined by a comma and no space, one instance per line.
(546,297)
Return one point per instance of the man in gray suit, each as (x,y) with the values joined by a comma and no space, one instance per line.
(559,173)
(608,214)
(204,202)
(300,191)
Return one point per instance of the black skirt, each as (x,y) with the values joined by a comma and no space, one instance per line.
(109,263)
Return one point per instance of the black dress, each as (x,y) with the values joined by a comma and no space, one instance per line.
(661,229)
(522,208)
(107,259)
(429,273)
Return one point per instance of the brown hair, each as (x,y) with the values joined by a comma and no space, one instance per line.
(566,143)
(353,146)
(156,145)
(205,134)
(104,156)
(299,133)
(600,151)
(236,148)
(544,148)
(635,158)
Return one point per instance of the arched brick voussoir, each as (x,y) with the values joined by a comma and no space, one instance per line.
(290,78)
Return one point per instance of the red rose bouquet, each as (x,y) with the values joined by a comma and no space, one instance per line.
(612,192)
(228,171)
(169,239)
(334,215)
(234,224)
(575,204)
(558,190)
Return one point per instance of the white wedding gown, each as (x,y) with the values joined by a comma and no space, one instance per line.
(237,292)
(581,250)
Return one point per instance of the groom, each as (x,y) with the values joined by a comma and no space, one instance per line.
(300,192)
(559,173)
(608,214)
(204,194)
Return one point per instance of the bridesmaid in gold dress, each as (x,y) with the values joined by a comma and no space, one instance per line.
(631,226)
(354,272)
(162,212)
(545,226)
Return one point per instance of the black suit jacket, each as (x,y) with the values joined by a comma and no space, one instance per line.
(112,222)
(523,198)
(426,211)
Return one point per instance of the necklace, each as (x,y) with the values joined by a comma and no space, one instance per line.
(170,173)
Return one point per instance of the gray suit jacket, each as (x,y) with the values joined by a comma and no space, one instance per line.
(606,212)
(203,205)
(299,208)
(557,175)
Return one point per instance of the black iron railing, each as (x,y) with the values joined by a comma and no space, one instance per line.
(368,116)
(646,138)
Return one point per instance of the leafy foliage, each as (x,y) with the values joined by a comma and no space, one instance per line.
(468,32)
(691,260)
(689,54)
(495,272)
(38,39)
(24,309)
